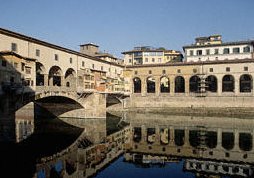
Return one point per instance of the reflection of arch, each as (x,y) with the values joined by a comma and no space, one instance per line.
(211,83)
(55,74)
(137,85)
(70,77)
(246,83)
(228,140)
(245,141)
(179,84)
(40,72)
(228,83)
(150,83)
(194,83)
(164,85)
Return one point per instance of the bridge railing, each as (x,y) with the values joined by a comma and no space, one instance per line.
(41,89)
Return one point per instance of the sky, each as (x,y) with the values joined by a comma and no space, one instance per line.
(121,25)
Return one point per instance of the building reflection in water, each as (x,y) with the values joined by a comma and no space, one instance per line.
(208,147)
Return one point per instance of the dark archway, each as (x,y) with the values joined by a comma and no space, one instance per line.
(150,84)
(228,140)
(212,84)
(194,83)
(40,72)
(137,85)
(245,141)
(164,85)
(55,74)
(70,78)
(246,83)
(179,137)
(228,83)
(179,84)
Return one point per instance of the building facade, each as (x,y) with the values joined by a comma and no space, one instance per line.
(149,55)
(213,49)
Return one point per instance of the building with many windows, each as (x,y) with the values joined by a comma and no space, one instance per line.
(212,48)
(149,55)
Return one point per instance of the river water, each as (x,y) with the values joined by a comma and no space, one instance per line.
(135,145)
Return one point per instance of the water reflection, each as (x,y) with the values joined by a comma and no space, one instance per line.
(185,146)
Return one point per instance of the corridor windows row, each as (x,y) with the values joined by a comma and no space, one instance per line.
(195,84)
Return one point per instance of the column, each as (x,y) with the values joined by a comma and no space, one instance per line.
(219,85)
(143,86)
(143,134)
(187,85)
(219,138)
(46,79)
(172,86)
(236,139)
(63,81)
(157,86)
(172,135)
(186,137)
(237,85)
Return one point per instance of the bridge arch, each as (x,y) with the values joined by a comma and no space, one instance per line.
(55,76)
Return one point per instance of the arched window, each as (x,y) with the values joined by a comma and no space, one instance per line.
(245,141)
(40,72)
(164,85)
(228,83)
(55,74)
(245,83)
(70,77)
(137,85)
(150,83)
(194,83)
(211,81)
(179,84)
(228,140)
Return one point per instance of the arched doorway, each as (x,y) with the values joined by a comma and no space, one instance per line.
(137,85)
(164,85)
(228,83)
(246,83)
(179,84)
(211,81)
(40,74)
(150,83)
(70,78)
(55,74)
(194,83)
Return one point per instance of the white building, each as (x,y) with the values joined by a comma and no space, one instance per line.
(212,48)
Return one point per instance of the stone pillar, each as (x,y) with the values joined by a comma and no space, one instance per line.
(219,138)
(157,134)
(143,134)
(187,85)
(63,81)
(237,85)
(172,86)
(143,86)
(157,86)
(186,137)
(46,79)
(236,139)
(172,136)
(50,81)
(219,85)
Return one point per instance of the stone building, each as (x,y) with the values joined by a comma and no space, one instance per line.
(149,55)
(212,49)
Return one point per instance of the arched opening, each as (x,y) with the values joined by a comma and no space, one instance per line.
(245,141)
(164,85)
(137,85)
(194,83)
(40,72)
(228,140)
(70,78)
(245,83)
(228,83)
(179,84)
(179,137)
(211,81)
(55,74)
(150,83)
(137,134)
(211,139)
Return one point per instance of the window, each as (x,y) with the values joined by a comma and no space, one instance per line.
(70,60)
(211,70)
(236,50)
(194,70)
(153,59)
(163,71)
(216,51)
(191,52)
(83,64)
(226,51)
(102,68)
(129,60)
(150,72)
(246,69)
(227,69)
(109,69)
(115,71)
(22,66)
(178,70)
(246,49)
(37,52)
(136,72)
(28,70)
(199,52)
(14,47)
(4,63)
(93,66)
(208,52)
(146,59)
(15,65)
(56,57)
